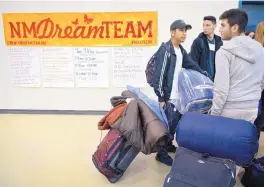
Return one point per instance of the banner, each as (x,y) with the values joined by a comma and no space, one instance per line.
(81,29)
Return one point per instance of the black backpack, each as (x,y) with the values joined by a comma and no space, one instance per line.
(151,67)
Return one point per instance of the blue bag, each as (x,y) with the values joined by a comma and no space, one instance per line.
(195,92)
(218,136)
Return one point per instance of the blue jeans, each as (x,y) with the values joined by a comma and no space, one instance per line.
(173,117)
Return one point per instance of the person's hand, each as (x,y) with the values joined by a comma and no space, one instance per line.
(162,104)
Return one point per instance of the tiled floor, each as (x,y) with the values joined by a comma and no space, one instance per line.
(55,151)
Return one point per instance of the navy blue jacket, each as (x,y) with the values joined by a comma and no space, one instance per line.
(165,68)
(200,51)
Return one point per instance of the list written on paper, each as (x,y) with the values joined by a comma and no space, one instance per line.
(25,67)
(91,67)
(128,67)
(57,67)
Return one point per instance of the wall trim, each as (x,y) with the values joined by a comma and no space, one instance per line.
(56,112)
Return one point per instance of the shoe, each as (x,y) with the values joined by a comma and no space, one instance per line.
(171,148)
(165,159)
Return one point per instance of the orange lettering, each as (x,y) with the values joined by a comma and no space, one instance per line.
(67,31)
(45,23)
(29,31)
(148,27)
(47,28)
(107,27)
(58,29)
(81,30)
(130,29)
(96,29)
(15,30)
(116,29)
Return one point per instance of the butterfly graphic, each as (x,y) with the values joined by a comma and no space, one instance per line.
(87,19)
(75,22)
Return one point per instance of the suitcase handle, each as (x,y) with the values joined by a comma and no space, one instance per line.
(205,155)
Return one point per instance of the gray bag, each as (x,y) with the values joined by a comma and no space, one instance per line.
(192,169)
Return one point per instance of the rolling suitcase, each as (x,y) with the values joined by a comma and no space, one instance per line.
(114,155)
(192,169)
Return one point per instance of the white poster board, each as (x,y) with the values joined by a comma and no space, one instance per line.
(25,66)
(92,67)
(57,67)
(129,66)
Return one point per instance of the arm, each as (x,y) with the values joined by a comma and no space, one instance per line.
(188,63)
(160,73)
(221,81)
(262,83)
(195,51)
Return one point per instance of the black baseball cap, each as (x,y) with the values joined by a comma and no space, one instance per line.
(179,24)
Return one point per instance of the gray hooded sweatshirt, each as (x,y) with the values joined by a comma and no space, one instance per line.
(239,76)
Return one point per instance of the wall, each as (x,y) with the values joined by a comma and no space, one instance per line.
(88,98)
(255,10)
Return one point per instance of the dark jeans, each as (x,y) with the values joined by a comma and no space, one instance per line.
(173,117)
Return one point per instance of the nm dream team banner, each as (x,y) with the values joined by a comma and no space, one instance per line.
(81,29)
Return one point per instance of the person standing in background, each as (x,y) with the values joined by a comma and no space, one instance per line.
(259,37)
(204,47)
(259,122)
(251,34)
(239,74)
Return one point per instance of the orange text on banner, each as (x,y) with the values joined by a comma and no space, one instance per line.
(81,29)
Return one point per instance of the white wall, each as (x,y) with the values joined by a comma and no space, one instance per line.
(191,12)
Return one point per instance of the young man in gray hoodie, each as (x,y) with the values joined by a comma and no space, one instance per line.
(239,70)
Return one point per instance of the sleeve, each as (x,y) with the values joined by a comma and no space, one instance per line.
(262,83)
(189,63)
(160,73)
(195,51)
(221,82)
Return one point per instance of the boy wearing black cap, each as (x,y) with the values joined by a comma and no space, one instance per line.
(170,58)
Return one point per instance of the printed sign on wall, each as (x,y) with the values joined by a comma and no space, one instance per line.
(81,29)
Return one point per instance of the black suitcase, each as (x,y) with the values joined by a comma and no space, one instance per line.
(192,169)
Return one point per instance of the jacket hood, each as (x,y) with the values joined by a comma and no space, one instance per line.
(117,100)
(244,47)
